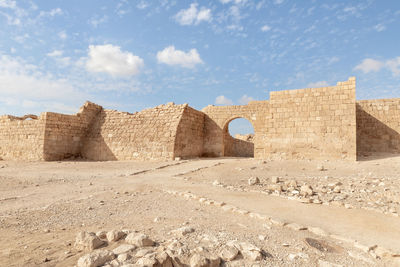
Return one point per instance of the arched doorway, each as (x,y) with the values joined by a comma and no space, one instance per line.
(238,138)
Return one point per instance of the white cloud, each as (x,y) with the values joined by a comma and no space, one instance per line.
(110,59)
(63,35)
(96,21)
(333,60)
(222,100)
(244,100)
(55,53)
(142,5)
(235,1)
(193,16)
(373,65)
(394,66)
(8,4)
(170,56)
(369,64)
(265,28)
(278,2)
(380,27)
(318,84)
(21,80)
(51,13)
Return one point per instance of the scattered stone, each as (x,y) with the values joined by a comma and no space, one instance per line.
(123,257)
(250,252)
(164,259)
(306,190)
(146,261)
(275,187)
(253,181)
(184,230)
(115,235)
(144,252)
(228,253)
(87,241)
(275,179)
(337,189)
(321,168)
(198,260)
(125,248)
(96,258)
(139,240)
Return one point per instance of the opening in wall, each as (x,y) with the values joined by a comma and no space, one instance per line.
(239,138)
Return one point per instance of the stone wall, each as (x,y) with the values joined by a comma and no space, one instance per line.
(235,147)
(217,119)
(378,126)
(64,134)
(314,123)
(21,139)
(317,123)
(190,134)
(146,135)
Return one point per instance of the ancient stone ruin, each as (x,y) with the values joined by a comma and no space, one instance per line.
(314,123)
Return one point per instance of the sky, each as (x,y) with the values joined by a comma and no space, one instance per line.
(132,55)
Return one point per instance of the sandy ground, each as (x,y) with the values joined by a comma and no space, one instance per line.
(43,205)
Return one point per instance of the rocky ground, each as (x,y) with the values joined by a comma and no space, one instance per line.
(209,212)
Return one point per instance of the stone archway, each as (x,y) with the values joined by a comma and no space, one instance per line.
(237,146)
(217,119)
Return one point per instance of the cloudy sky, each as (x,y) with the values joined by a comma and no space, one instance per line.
(130,55)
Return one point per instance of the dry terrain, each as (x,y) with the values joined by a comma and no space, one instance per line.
(201,212)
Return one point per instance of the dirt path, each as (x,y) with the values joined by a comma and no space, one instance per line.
(43,206)
(367,227)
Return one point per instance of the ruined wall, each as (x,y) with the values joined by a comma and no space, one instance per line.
(235,147)
(190,134)
(317,123)
(146,135)
(378,126)
(64,134)
(218,142)
(21,139)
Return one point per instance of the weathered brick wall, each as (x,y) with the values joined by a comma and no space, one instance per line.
(146,135)
(318,123)
(21,139)
(235,147)
(378,126)
(64,134)
(218,142)
(190,134)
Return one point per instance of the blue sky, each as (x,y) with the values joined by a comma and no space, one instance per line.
(130,55)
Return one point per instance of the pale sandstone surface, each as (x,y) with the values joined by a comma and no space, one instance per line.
(45,205)
(312,123)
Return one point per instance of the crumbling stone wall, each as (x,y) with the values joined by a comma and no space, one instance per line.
(378,126)
(235,147)
(317,123)
(21,139)
(217,140)
(64,134)
(147,135)
(190,134)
